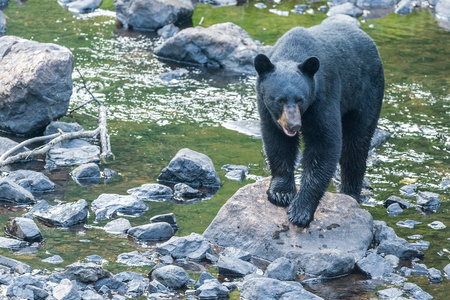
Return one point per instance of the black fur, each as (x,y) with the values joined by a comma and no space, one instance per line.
(334,74)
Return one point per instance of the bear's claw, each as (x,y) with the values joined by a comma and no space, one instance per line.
(301,213)
(280,198)
(281,191)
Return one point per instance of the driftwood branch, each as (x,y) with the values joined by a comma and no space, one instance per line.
(100,132)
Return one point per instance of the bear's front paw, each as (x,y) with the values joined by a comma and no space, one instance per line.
(281,191)
(301,213)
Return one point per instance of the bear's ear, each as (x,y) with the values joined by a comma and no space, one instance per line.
(310,66)
(263,65)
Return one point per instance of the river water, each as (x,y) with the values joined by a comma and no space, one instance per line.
(151,120)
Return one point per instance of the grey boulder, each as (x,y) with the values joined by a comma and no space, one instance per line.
(12,192)
(152,192)
(340,233)
(193,246)
(223,45)
(23,229)
(168,218)
(172,277)
(58,126)
(341,18)
(345,9)
(6,144)
(83,6)
(61,215)
(212,289)
(374,266)
(151,232)
(118,226)
(35,84)
(106,206)
(135,259)
(153,14)
(282,269)
(234,267)
(32,181)
(9,243)
(85,272)
(66,290)
(404,7)
(73,152)
(86,174)
(14,265)
(192,168)
(428,201)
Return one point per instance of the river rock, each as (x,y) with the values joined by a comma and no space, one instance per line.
(341,18)
(409,190)
(173,277)
(256,287)
(135,259)
(446,271)
(374,4)
(3,23)
(408,223)
(428,201)
(404,7)
(445,184)
(86,174)
(15,265)
(193,246)
(345,9)
(85,272)
(185,193)
(248,127)
(35,84)
(73,152)
(83,6)
(234,267)
(23,229)
(118,226)
(323,247)
(234,252)
(55,259)
(169,31)
(3,4)
(192,168)
(394,210)
(212,289)
(26,287)
(12,243)
(203,277)
(374,266)
(282,269)
(434,275)
(32,181)
(391,293)
(437,225)
(57,126)
(152,192)
(223,45)
(63,214)
(414,291)
(6,144)
(404,204)
(12,192)
(153,14)
(66,290)
(151,232)
(112,284)
(168,218)
(106,206)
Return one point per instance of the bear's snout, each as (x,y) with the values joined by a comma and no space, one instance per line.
(290,120)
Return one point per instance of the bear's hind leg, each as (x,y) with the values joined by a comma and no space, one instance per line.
(357,135)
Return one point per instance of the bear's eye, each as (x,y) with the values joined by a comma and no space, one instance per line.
(280,101)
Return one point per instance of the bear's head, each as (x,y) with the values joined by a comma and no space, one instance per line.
(286,88)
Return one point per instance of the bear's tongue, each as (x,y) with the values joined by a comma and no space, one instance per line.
(289,133)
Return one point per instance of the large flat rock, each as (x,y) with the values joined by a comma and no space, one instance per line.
(339,235)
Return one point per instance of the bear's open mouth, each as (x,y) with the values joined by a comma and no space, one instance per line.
(288,133)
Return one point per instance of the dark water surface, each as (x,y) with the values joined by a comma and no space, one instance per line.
(151,120)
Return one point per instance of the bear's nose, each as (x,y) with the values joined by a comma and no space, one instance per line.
(295,127)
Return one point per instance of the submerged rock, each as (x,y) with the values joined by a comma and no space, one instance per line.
(323,249)
(32,181)
(192,168)
(12,192)
(408,223)
(61,215)
(23,229)
(248,127)
(185,193)
(135,259)
(86,174)
(153,14)
(107,206)
(73,152)
(223,45)
(35,84)
(152,192)
(394,210)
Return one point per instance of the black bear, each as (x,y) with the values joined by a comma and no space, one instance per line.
(326,82)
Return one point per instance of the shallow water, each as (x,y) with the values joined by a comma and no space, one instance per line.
(151,120)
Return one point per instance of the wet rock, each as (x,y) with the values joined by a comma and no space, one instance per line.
(36,84)
(153,14)
(374,266)
(32,181)
(118,226)
(323,247)
(12,243)
(112,284)
(434,275)
(12,192)
(234,267)
(212,289)
(445,184)
(437,225)
(374,4)
(5,278)
(223,45)
(341,18)
(405,271)
(73,152)
(136,288)
(192,168)
(234,252)
(128,276)
(390,293)
(168,218)
(346,9)
(135,259)
(203,277)
(166,260)
(106,206)
(173,277)
(257,287)
(152,192)
(3,23)
(392,260)
(62,215)
(323,8)
(408,223)
(86,174)
(409,190)
(415,237)
(66,290)
(428,201)
(95,259)
(26,287)
(57,126)
(151,232)
(421,245)
(83,6)
(393,279)
(447,271)
(394,210)
(184,193)
(404,204)
(91,295)
(85,272)
(55,259)
(109,174)
(157,287)
(169,31)
(260,5)
(23,229)
(248,127)
(404,7)
(414,291)
(235,172)
(173,75)
(282,269)
(193,246)
(6,144)
(15,265)
(419,270)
